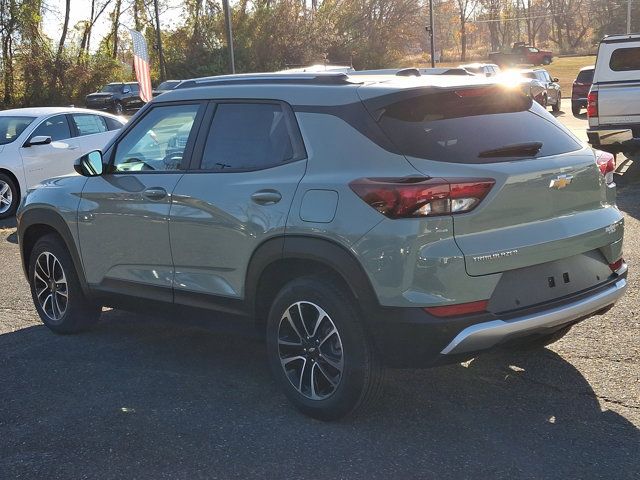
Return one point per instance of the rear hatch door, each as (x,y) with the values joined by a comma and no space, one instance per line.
(549,199)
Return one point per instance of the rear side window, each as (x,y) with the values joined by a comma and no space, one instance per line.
(585,76)
(246,136)
(625,59)
(467,125)
(112,123)
(89,124)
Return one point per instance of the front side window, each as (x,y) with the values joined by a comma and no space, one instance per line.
(158,141)
(625,59)
(12,127)
(134,88)
(89,124)
(55,127)
(245,136)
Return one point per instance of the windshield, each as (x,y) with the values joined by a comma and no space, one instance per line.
(112,88)
(168,85)
(12,127)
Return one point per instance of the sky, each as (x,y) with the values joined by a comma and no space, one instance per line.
(80,10)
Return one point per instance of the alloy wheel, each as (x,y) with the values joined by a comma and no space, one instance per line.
(6,197)
(310,350)
(51,286)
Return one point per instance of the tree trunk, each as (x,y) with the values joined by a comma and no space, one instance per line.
(115,26)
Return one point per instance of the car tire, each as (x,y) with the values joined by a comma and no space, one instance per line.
(575,108)
(546,61)
(9,196)
(56,290)
(118,108)
(558,105)
(326,366)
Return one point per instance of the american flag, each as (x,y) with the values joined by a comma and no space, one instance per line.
(141,64)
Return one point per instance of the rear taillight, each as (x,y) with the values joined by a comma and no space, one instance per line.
(420,197)
(459,309)
(617,265)
(592,104)
(607,165)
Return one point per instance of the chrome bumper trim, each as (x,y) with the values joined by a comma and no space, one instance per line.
(488,334)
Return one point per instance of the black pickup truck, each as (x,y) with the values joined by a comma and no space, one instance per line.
(116,97)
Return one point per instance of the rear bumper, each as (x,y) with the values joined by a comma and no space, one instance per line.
(614,139)
(489,334)
(410,337)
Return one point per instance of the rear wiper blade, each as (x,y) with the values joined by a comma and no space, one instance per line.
(513,150)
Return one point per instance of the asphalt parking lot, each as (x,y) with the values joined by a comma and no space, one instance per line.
(152,397)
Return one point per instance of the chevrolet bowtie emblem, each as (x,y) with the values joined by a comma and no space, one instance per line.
(561,181)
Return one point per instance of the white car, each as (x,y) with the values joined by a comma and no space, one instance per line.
(40,143)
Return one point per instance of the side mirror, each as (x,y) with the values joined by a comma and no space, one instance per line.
(555,79)
(39,140)
(126,90)
(89,165)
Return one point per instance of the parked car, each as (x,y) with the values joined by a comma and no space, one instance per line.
(486,69)
(116,97)
(613,104)
(550,94)
(39,143)
(522,54)
(580,90)
(445,217)
(165,86)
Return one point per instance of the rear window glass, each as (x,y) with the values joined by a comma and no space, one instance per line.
(585,76)
(473,126)
(624,59)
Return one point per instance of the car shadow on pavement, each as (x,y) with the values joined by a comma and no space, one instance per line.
(138,397)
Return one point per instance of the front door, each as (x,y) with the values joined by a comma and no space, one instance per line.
(123,218)
(238,196)
(53,159)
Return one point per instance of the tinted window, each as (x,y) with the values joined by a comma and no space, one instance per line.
(112,123)
(112,88)
(624,59)
(457,127)
(12,127)
(585,76)
(89,124)
(134,88)
(55,127)
(158,141)
(247,136)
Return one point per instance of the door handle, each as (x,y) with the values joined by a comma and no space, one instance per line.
(73,147)
(155,193)
(266,197)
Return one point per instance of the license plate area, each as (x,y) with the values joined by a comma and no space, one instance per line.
(525,287)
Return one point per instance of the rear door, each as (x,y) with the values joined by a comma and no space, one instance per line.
(250,159)
(92,131)
(549,199)
(54,159)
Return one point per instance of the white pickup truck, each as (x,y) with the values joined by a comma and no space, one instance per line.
(613,105)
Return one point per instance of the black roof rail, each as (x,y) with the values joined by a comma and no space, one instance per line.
(318,78)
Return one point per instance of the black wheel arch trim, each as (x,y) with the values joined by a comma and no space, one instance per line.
(53,220)
(302,247)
